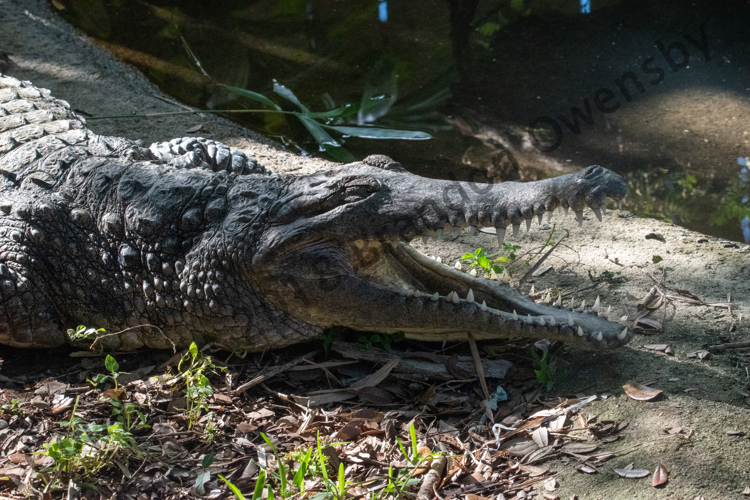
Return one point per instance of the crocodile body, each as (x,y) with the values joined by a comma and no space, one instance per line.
(198,240)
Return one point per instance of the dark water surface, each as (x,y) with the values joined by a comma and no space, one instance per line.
(659,91)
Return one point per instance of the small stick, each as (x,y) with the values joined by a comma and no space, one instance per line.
(731,345)
(275,371)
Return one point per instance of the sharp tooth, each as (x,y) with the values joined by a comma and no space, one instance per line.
(473,273)
(515,315)
(624,202)
(483,307)
(552,321)
(579,217)
(528,225)
(458,265)
(493,274)
(604,209)
(529,319)
(571,304)
(470,296)
(549,215)
(531,292)
(595,307)
(539,217)
(439,260)
(623,334)
(570,320)
(599,336)
(558,302)
(500,233)
(597,212)
(619,205)
(456,299)
(472,230)
(547,297)
(448,228)
(583,306)
(580,332)
(449,297)
(541,321)
(516,228)
(408,293)
(425,238)
(609,311)
(435,296)
(417,293)
(565,210)
(505,277)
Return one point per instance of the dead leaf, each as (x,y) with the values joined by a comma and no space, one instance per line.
(588,469)
(578,448)
(702,354)
(541,437)
(194,128)
(632,473)
(746,491)
(656,347)
(550,484)
(674,430)
(734,432)
(640,392)
(533,470)
(660,476)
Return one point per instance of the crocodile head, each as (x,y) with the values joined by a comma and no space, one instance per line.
(335,252)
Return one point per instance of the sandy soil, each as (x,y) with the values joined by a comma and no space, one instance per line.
(706,396)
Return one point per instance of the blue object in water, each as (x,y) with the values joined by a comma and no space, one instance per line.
(383,10)
(585,6)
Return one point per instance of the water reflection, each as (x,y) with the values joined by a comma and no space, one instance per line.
(475,74)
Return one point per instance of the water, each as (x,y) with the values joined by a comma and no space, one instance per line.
(509,90)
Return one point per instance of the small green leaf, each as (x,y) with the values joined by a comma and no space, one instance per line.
(467,256)
(193,350)
(656,259)
(208,459)
(111,364)
(251,95)
(325,141)
(380,133)
(342,481)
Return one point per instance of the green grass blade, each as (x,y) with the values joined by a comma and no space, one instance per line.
(299,477)
(237,493)
(321,459)
(342,481)
(251,95)
(260,484)
(414,447)
(325,141)
(344,111)
(380,133)
(287,94)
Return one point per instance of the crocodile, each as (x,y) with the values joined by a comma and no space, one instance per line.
(192,241)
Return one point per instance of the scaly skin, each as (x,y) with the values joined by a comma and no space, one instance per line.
(199,240)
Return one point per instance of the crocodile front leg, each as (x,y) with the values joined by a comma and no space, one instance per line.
(194,152)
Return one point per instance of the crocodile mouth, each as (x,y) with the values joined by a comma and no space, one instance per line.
(448,303)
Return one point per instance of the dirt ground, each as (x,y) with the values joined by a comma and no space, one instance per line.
(705,397)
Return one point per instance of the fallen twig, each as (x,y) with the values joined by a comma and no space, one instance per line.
(275,371)
(730,345)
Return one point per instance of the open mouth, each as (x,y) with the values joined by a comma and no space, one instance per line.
(454,303)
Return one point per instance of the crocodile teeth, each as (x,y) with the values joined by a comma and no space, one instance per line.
(558,302)
(448,228)
(515,315)
(472,230)
(552,321)
(599,336)
(529,319)
(439,260)
(604,209)
(516,228)
(583,306)
(570,320)
(623,334)
(528,225)
(435,296)
(473,273)
(548,297)
(457,265)
(500,233)
(493,274)
(595,307)
(470,296)
(619,205)
(483,307)
(417,293)
(439,233)
(539,217)
(549,215)
(425,238)
(449,297)
(571,304)
(580,332)
(541,321)
(579,217)
(456,298)
(505,277)
(597,212)
(531,292)
(565,210)
(609,311)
